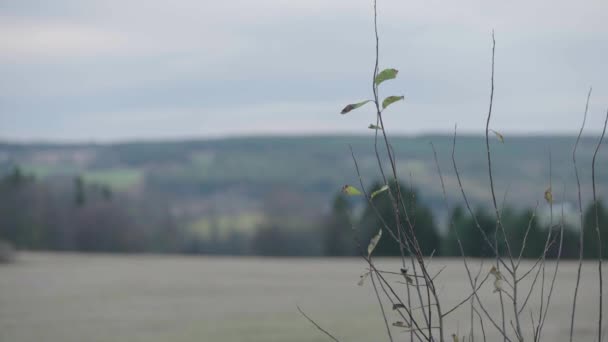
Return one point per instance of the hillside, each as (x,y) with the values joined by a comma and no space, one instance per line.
(236,181)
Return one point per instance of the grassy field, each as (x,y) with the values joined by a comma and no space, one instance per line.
(117,179)
(74,297)
(244,223)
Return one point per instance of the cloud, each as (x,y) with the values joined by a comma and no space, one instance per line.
(33,42)
(78,63)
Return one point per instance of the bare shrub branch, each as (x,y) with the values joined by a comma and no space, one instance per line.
(580,209)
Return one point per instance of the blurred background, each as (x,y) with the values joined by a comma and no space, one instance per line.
(142,131)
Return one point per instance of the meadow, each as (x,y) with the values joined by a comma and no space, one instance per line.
(69,297)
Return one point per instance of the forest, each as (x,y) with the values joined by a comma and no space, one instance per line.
(71,214)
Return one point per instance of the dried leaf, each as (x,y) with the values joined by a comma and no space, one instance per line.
(379,191)
(400,324)
(499,136)
(373,242)
(350,190)
(497,285)
(495,272)
(372,126)
(353,106)
(398,306)
(386,74)
(454,338)
(390,100)
(549,195)
(497,279)
(407,277)
(362,278)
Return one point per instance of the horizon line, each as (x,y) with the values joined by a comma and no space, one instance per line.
(177,139)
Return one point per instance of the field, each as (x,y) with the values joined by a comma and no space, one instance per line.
(56,297)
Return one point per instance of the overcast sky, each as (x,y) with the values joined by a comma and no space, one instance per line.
(108,70)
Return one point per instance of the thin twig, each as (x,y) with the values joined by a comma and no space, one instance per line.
(317,325)
(388,328)
(597,229)
(559,254)
(468,297)
(544,256)
(483,330)
(523,245)
(580,208)
(466,266)
(467,204)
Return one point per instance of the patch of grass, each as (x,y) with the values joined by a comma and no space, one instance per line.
(224,226)
(42,171)
(116,178)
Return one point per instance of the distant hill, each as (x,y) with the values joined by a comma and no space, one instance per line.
(255,175)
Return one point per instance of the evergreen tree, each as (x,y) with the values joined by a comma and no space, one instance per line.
(339,240)
(79,191)
(463,226)
(420,217)
(590,243)
(516,226)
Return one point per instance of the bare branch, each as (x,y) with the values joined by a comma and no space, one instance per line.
(388,328)
(580,208)
(317,325)
(597,230)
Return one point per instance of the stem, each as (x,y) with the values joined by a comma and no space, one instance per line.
(597,229)
(580,209)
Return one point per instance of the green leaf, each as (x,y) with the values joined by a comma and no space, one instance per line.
(386,74)
(390,100)
(373,242)
(499,136)
(379,191)
(372,126)
(353,106)
(350,190)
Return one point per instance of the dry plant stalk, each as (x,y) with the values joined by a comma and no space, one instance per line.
(421,290)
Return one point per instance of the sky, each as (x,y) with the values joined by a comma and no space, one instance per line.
(116,70)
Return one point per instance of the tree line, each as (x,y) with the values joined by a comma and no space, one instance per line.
(72,215)
(346,234)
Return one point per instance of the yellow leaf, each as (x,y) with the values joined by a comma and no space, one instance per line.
(499,136)
(379,191)
(549,195)
(350,190)
(373,242)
